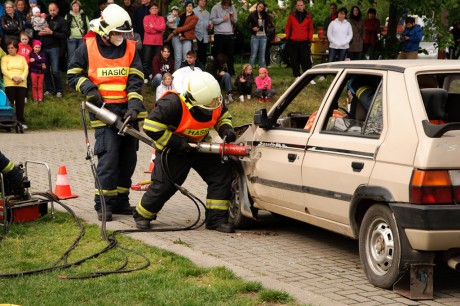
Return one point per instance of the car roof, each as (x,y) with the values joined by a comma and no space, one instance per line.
(394,65)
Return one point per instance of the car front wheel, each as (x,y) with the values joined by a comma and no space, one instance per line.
(380,247)
(235,215)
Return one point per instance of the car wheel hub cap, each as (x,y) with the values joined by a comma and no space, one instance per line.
(381,245)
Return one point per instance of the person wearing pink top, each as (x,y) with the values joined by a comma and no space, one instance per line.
(264,88)
(154,25)
(24,47)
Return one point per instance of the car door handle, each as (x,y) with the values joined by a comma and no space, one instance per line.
(357,166)
(292,157)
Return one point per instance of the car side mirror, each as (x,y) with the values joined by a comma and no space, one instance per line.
(261,118)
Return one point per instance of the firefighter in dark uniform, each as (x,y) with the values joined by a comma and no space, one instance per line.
(177,120)
(12,175)
(107,69)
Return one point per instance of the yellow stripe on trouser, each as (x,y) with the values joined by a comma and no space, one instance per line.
(217,204)
(122,189)
(144,212)
(108,193)
(8,168)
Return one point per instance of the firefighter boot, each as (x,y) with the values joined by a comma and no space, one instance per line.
(141,222)
(218,220)
(108,215)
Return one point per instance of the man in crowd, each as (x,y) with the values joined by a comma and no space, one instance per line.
(410,39)
(54,38)
(111,75)
(299,33)
(201,30)
(223,17)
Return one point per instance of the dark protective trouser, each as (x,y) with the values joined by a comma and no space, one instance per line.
(117,158)
(217,176)
(299,55)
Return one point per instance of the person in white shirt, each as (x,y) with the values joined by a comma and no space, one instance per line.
(339,34)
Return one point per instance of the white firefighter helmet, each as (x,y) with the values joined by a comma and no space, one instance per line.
(202,89)
(113,18)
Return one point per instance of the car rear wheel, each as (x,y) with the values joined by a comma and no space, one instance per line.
(380,247)
(235,215)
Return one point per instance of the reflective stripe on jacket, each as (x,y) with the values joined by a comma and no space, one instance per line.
(110,75)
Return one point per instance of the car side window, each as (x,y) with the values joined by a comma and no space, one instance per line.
(356,109)
(300,112)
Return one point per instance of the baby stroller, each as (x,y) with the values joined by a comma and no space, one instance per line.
(8,120)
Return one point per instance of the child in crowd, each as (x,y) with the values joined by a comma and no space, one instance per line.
(172,21)
(37,70)
(38,19)
(165,85)
(24,48)
(244,82)
(264,86)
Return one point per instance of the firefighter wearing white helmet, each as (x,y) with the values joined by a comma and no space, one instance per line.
(176,120)
(111,75)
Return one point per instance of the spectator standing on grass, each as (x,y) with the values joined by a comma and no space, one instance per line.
(331,17)
(15,71)
(22,10)
(139,14)
(129,7)
(12,24)
(223,17)
(355,50)
(258,23)
(218,69)
(201,30)
(162,63)
(371,35)
(410,39)
(24,48)
(299,33)
(244,82)
(154,25)
(339,35)
(102,5)
(77,24)
(264,88)
(37,71)
(51,38)
(184,34)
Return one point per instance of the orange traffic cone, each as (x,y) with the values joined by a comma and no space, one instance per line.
(62,188)
(152,164)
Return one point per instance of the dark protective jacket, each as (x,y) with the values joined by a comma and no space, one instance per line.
(77,77)
(10,172)
(169,114)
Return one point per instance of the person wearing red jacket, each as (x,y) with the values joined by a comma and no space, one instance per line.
(299,33)
(371,34)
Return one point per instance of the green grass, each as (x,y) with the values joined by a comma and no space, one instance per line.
(169,280)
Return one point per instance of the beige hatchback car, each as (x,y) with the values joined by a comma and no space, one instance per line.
(378,161)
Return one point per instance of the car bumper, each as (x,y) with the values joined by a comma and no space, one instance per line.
(429,227)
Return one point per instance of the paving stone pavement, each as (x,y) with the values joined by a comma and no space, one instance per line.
(315,266)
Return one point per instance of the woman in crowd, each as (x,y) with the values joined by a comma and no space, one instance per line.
(12,24)
(162,63)
(15,71)
(184,34)
(154,25)
(339,34)
(371,35)
(356,45)
(258,23)
(22,10)
(78,23)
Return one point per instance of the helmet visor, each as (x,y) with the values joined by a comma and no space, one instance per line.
(126,27)
(215,103)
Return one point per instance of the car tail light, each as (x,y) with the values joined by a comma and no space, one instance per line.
(432,187)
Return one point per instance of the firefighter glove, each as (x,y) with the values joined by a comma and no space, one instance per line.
(179,145)
(94,97)
(131,113)
(228,133)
